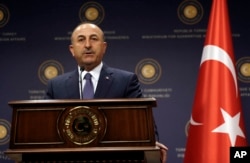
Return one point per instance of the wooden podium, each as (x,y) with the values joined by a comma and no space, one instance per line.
(79,131)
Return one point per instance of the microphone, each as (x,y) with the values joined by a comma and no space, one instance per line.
(80,80)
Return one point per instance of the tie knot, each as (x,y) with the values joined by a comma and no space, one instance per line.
(87,76)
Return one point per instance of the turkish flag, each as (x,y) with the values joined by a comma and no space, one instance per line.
(217,122)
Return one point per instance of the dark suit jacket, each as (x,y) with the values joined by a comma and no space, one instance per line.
(113,83)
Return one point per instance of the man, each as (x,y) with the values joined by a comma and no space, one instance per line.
(88,47)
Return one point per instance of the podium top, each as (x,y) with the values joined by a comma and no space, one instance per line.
(75,123)
(127,101)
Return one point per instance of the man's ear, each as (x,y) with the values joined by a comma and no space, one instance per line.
(71,50)
(105,47)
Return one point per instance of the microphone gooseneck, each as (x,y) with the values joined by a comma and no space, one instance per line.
(80,80)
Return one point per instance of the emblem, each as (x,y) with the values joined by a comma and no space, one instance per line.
(148,71)
(83,125)
(91,12)
(243,69)
(4,15)
(4,131)
(190,12)
(49,69)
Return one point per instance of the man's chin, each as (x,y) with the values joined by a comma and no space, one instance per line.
(88,65)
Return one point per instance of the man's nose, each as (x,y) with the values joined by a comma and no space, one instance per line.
(87,43)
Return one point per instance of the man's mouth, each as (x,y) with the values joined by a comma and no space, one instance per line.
(88,52)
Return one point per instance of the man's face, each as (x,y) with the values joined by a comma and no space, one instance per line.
(88,46)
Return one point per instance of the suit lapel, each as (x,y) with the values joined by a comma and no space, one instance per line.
(104,83)
(72,85)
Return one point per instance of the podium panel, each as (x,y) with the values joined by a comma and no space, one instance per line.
(107,128)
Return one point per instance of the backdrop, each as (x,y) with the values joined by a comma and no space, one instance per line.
(161,41)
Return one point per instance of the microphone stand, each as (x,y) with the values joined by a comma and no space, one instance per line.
(80,80)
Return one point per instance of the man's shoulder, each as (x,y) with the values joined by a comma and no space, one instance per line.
(118,71)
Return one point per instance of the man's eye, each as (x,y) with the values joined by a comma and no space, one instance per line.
(94,38)
(81,40)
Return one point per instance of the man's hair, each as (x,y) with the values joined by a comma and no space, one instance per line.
(82,23)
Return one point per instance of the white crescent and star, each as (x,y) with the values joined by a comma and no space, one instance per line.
(192,122)
(231,124)
(212,52)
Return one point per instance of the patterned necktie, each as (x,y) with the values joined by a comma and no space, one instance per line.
(88,90)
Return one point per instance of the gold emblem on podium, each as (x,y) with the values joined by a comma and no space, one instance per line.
(83,125)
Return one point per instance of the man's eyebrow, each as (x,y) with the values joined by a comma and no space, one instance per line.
(92,35)
(80,36)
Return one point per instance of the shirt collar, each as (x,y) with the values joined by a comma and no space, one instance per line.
(95,72)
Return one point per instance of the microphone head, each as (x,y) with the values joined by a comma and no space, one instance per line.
(81,68)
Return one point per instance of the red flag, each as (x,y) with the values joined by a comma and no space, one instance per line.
(217,121)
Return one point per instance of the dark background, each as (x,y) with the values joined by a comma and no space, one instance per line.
(34,27)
